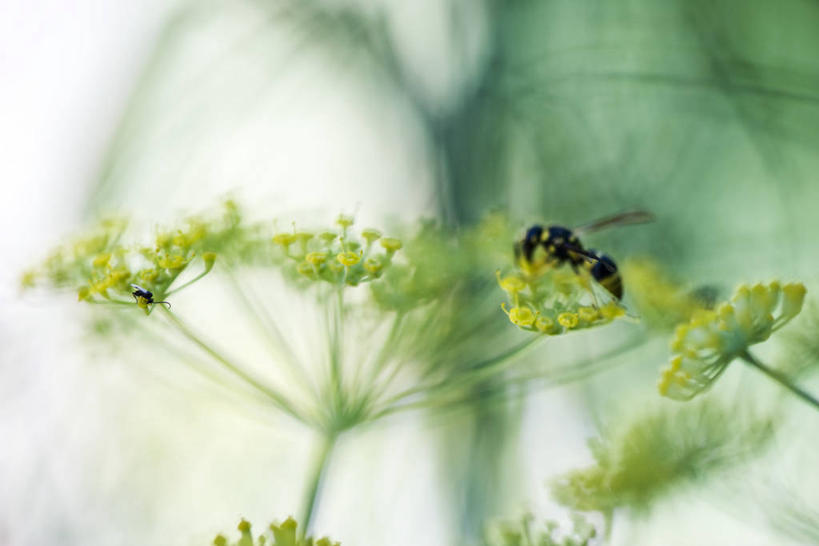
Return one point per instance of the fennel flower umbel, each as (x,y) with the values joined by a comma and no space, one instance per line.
(102,269)
(704,347)
(554,302)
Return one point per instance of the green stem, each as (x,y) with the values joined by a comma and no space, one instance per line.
(317,477)
(278,399)
(271,332)
(385,351)
(111,302)
(190,282)
(335,327)
(577,370)
(482,371)
(556,377)
(780,378)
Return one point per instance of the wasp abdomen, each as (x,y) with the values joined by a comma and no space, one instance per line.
(605,272)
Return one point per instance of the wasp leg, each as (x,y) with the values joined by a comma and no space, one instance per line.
(588,284)
(594,297)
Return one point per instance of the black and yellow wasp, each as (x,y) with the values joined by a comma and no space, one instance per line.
(553,246)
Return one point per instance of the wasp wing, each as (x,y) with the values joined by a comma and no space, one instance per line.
(622,219)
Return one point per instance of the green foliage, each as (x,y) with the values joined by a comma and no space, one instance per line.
(659,449)
(791,514)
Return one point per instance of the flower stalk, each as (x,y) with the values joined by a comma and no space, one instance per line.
(704,346)
(780,378)
(276,397)
(317,477)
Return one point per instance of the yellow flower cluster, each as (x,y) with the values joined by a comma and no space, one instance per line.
(283,534)
(703,347)
(339,256)
(554,302)
(102,269)
(91,256)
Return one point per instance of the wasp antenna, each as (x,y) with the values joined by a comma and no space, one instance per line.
(165,302)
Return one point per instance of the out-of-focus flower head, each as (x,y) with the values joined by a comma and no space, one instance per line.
(643,457)
(283,534)
(802,344)
(338,256)
(659,301)
(523,533)
(444,265)
(703,347)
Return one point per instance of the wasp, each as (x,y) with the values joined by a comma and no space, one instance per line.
(145,295)
(557,245)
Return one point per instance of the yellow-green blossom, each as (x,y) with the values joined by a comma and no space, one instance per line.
(522,317)
(284,239)
(554,302)
(336,257)
(101,265)
(283,534)
(345,221)
(703,347)
(348,259)
(370,235)
(316,258)
(391,244)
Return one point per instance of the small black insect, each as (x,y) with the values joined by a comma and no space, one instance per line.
(146,295)
(558,245)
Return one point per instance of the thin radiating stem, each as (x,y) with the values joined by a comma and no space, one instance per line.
(190,282)
(383,354)
(556,377)
(482,371)
(780,378)
(276,397)
(272,334)
(335,330)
